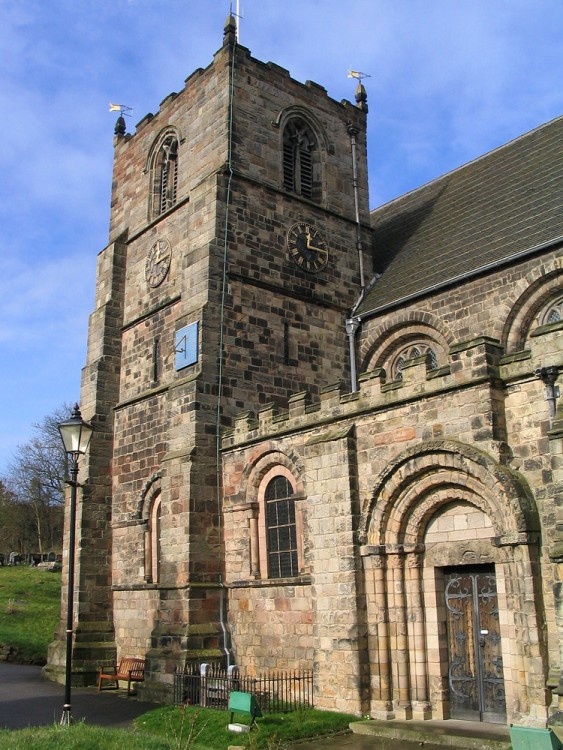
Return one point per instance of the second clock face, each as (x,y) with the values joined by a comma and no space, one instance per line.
(307,247)
(158,262)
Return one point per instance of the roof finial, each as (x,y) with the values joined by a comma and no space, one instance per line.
(361,98)
(230,31)
(120,127)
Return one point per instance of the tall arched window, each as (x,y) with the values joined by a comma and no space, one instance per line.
(301,160)
(164,176)
(281,530)
(153,542)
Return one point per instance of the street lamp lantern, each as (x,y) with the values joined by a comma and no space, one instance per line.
(75,434)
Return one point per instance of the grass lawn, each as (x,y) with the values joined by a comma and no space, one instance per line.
(29,610)
(208,727)
(175,728)
(80,737)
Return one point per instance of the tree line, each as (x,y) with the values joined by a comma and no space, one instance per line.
(32,491)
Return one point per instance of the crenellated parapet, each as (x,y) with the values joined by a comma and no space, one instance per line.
(477,361)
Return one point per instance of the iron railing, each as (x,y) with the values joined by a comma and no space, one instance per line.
(210,685)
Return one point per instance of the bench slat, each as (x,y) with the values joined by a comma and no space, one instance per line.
(129,669)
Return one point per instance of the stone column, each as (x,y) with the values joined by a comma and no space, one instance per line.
(339,639)
(254,546)
(417,638)
(381,706)
(399,645)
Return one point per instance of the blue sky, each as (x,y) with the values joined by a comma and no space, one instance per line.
(450,80)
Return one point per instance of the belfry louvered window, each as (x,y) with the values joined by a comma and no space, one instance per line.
(300,160)
(281,529)
(165,176)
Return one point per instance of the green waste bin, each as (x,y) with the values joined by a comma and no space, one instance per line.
(531,738)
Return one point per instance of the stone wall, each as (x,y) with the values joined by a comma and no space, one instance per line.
(450,466)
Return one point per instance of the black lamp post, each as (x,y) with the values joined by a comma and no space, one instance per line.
(75,434)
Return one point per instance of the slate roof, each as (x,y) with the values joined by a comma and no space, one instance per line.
(488,211)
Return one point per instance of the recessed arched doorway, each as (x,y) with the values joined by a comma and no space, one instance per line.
(451,564)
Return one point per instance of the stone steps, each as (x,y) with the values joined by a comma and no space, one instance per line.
(462,735)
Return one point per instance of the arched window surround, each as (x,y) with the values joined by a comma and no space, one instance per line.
(414,348)
(149,513)
(262,558)
(533,297)
(163,168)
(384,343)
(153,546)
(303,149)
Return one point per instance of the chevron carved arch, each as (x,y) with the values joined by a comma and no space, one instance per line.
(426,477)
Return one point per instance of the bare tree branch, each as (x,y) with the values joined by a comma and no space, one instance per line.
(35,481)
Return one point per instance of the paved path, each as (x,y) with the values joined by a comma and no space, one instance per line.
(27,700)
(346,742)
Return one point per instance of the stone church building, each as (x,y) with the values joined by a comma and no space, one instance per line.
(326,436)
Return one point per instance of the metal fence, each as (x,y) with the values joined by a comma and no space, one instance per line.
(210,685)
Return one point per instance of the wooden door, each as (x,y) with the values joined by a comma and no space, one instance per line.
(475,657)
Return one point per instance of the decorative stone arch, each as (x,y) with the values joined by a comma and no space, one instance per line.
(386,338)
(404,566)
(297,111)
(273,462)
(542,285)
(157,142)
(148,490)
(275,454)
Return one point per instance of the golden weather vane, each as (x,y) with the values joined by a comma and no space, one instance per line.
(358,75)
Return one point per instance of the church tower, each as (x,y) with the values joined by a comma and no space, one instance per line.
(238,245)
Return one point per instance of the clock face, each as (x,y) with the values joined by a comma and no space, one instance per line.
(307,247)
(158,262)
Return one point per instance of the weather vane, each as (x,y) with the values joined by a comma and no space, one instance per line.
(121,108)
(356,74)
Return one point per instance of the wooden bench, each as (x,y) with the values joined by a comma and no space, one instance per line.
(129,670)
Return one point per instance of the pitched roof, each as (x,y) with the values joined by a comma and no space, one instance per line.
(488,211)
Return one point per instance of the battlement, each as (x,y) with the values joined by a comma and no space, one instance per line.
(470,362)
(195,78)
